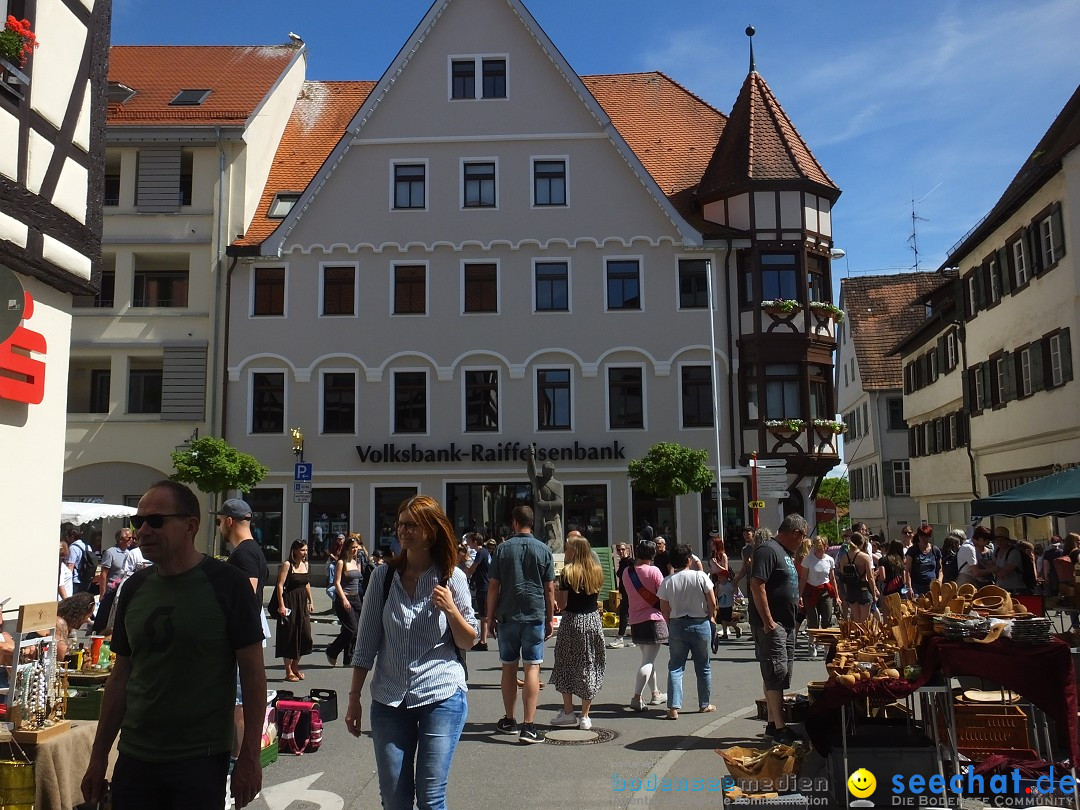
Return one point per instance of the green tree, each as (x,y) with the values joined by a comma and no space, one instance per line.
(837,491)
(214,466)
(670,469)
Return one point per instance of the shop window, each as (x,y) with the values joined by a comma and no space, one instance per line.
(586,511)
(267,522)
(485,507)
(327,518)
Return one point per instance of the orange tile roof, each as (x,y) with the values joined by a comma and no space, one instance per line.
(759,143)
(670,130)
(322,112)
(880,311)
(238,76)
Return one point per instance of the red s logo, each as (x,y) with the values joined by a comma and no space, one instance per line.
(22,378)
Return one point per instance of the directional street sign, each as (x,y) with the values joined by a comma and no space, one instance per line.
(302,470)
(778,493)
(757,504)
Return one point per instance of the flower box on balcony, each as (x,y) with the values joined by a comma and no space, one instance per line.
(829,426)
(826,311)
(781,306)
(785,427)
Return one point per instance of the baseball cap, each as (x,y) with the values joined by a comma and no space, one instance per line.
(236,509)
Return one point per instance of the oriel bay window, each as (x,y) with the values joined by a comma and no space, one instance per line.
(820,402)
(481,401)
(779,280)
(410,402)
(782,387)
(817,285)
(553,399)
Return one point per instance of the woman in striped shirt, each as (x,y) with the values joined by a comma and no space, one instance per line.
(412,628)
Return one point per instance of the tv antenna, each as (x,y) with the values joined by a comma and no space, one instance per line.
(913,240)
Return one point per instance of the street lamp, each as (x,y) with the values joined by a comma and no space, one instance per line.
(298,451)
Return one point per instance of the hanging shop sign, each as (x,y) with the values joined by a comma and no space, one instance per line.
(453,453)
(22,376)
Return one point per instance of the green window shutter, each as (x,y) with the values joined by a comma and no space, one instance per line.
(1066,356)
(1031,245)
(887,478)
(1009,382)
(1058,224)
(1005,273)
(1035,354)
(980,289)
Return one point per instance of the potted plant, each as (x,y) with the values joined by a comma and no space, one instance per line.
(824,309)
(17,41)
(785,426)
(780,306)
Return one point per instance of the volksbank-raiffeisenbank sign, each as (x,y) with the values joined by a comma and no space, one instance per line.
(453,453)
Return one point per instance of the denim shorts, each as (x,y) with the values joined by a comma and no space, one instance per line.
(521,640)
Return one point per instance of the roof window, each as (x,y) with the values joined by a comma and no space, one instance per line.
(189,98)
(119,93)
(282,204)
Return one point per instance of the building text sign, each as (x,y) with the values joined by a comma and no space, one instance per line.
(453,453)
(22,377)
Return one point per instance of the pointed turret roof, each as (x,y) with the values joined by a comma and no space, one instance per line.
(760,144)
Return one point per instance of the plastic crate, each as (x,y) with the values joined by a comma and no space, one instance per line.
(796,707)
(269,755)
(982,726)
(85,704)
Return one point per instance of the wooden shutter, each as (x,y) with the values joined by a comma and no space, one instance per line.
(1008,383)
(1058,225)
(158,181)
(1066,357)
(183,383)
(1004,268)
(1034,253)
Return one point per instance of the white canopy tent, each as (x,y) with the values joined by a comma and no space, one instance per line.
(80,513)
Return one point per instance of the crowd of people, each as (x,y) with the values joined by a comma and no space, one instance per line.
(407,623)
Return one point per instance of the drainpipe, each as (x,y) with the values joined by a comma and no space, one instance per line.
(730,354)
(215,367)
(961,338)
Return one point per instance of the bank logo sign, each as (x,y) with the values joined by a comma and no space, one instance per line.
(453,453)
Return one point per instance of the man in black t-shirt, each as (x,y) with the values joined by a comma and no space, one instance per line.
(774,605)
(234,524)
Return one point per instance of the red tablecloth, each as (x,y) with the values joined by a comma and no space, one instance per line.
(1042,673)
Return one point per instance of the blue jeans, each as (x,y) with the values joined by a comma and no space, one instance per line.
(422,739)
(689,637)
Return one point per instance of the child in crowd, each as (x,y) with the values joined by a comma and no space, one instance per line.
(725,601)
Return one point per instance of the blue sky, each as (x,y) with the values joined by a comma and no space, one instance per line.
(936,102)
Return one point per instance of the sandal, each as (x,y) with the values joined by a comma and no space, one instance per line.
(291,678)
(300,675)
(706,709)
(673,714)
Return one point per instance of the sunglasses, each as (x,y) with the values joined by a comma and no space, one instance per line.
(155,521)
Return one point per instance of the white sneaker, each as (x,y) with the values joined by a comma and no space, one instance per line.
(585,723)
(617,644)
(658,698)
(564,719)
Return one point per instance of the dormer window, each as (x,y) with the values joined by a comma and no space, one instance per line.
(189,98)
(282,204)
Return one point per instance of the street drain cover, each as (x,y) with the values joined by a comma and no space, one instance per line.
(576,736)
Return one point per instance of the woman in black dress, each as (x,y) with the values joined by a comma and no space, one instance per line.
(292,596)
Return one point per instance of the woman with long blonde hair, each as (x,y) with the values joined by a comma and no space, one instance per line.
(579,648)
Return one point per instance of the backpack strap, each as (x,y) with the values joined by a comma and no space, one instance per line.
(288,732)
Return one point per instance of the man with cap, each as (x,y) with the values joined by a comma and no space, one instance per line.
(234,525)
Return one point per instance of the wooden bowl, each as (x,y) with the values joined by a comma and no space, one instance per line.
(988,602)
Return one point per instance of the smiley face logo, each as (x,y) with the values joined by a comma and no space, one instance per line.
(861,783)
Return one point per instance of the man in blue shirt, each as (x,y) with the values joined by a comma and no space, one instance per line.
(520,609)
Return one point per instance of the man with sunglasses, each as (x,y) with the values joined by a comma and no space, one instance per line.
(173,708)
